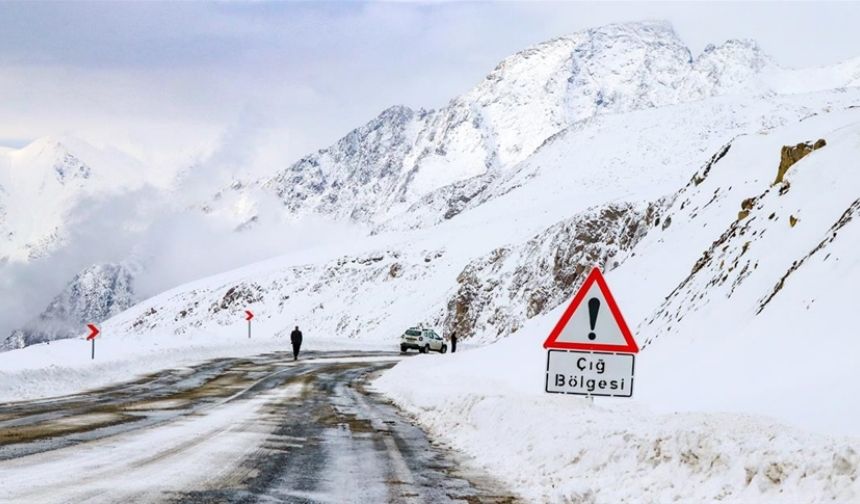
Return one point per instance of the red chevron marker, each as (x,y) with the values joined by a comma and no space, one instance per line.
(94,331)
(248,317)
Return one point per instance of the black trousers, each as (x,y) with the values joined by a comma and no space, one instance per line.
(453,346)
(296,348)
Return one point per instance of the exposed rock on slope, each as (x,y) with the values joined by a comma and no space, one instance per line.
(377,292)
(501,290)
(343,179)
(755,255)
(792,154)
(850,213)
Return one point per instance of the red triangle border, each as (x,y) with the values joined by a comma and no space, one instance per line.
(594,276)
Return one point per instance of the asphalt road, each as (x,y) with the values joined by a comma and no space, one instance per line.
(263,429)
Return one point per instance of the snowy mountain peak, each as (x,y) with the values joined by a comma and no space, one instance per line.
(396,113)
(41,145)
(539,91)
(742,53)
(44,158)
(41,160)
(58,173)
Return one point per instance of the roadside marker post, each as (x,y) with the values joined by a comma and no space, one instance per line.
(591,350)
(94,331)
(248,317)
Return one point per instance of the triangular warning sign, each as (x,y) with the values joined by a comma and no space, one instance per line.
(592,321)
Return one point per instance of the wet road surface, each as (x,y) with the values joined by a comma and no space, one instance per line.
(262,429)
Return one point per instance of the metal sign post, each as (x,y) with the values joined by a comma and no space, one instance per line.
(248,317)
(94,331)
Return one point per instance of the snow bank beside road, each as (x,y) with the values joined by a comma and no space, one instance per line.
(490,404)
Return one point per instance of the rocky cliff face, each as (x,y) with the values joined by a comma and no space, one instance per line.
(95,294)
(344,179)
(498,292)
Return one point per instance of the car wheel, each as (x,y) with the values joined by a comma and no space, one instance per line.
(443,349)
(402,348)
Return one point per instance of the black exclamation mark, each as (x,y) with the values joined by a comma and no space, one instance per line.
(593,307)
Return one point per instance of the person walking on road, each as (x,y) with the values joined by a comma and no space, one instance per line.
(453,341)
(296,340)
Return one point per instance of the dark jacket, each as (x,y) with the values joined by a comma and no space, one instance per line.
(296,337)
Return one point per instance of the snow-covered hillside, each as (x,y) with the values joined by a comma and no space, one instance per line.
(609,121)
(741,300)
(482,271)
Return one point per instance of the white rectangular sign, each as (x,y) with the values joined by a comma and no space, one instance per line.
(589,373)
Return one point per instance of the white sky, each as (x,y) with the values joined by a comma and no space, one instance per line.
(165,80)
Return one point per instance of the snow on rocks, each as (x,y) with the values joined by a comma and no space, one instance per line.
(757,316)
(93,295)
(498,292)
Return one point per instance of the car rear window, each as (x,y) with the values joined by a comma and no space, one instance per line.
(413,332)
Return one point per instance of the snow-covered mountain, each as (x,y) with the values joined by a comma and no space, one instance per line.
(42,182)
(610,118)
(93,295)
(379,170)
(505,258)
(567,154)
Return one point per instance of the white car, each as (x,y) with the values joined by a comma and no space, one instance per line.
(423,340)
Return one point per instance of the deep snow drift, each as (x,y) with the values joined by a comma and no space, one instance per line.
(490,404)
